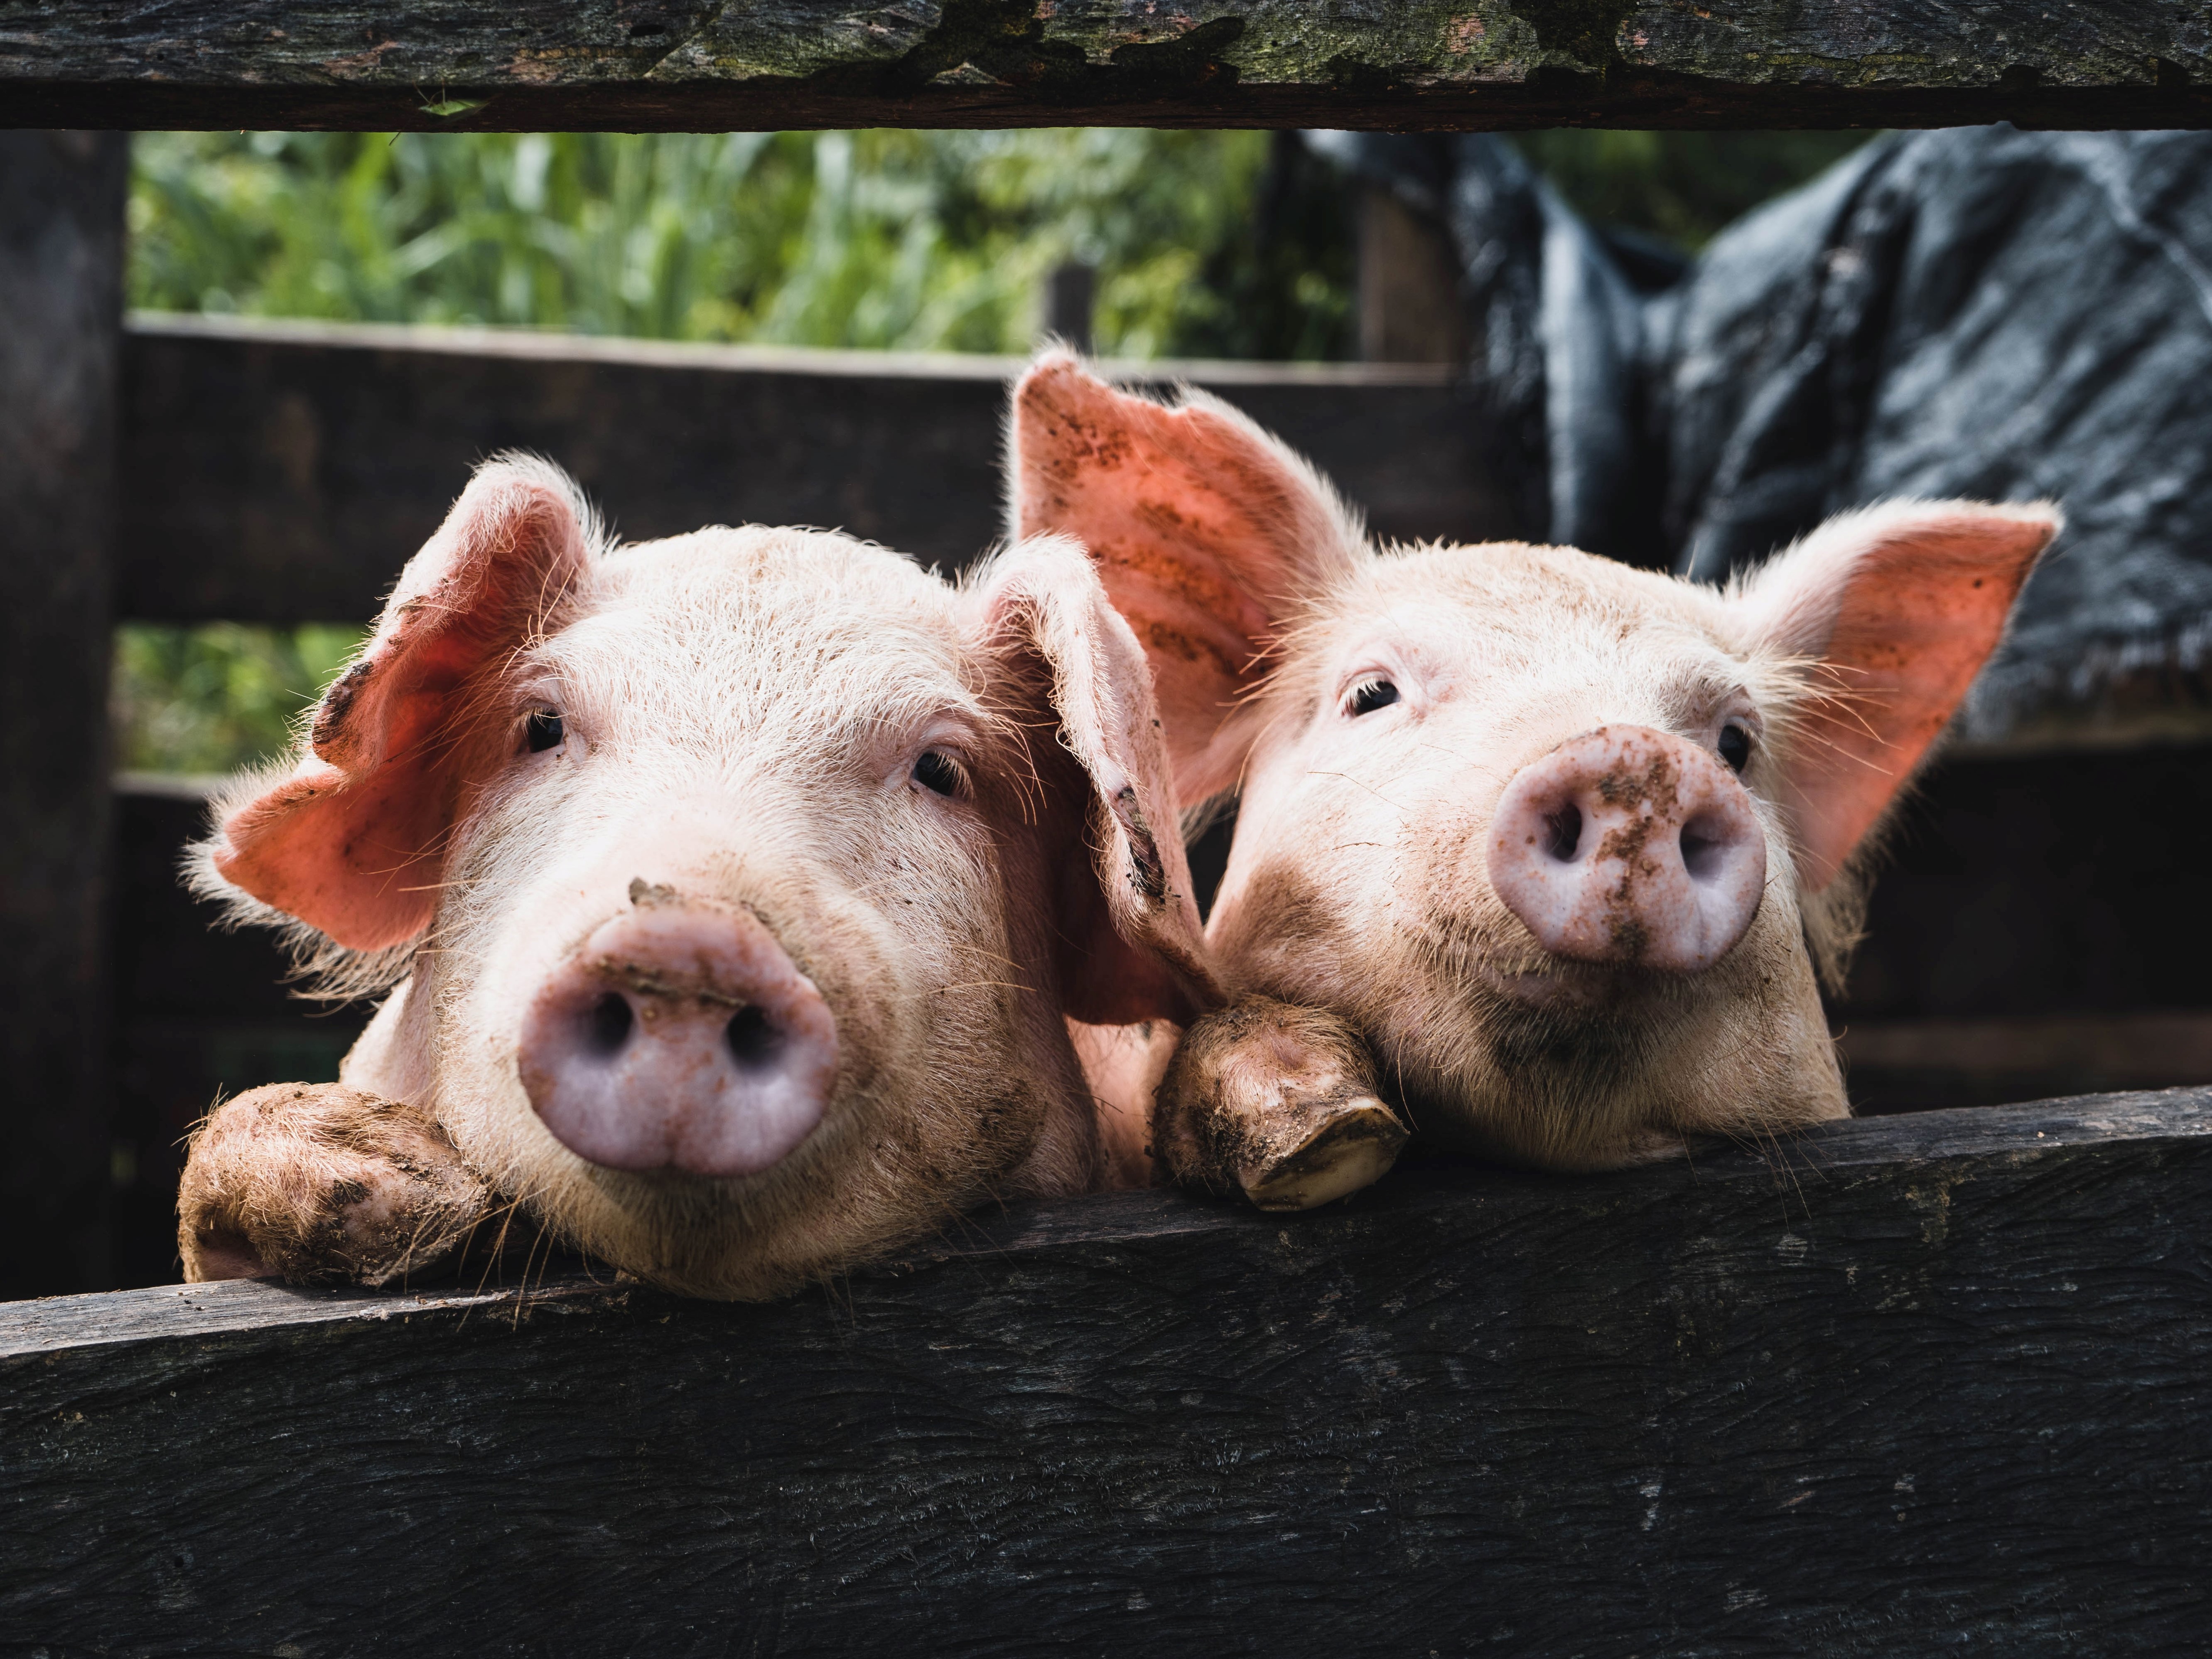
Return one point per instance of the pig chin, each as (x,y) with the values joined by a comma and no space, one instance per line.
(1539,984)
(880,1159)
(1471,943)
(1508,1051)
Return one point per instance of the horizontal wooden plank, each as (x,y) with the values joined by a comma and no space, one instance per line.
(1925,1064)
(2165,1042)
(2054,881)
(284,471)
(1907,1384)
(691,64)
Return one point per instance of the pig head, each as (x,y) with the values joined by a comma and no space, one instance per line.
(732,891)
(1565,842)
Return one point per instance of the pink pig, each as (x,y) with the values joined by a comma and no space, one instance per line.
(1551,845)
(732,893)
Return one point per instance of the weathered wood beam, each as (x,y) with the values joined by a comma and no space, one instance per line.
(283,472)
(1409,303)
(1907,1384)
(61,315)
(457,64)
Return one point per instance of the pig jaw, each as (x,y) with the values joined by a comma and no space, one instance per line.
(1495,1046)
(902,1139)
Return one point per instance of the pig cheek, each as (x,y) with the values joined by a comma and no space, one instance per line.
(486,965)
(1305,904)
(1446,933)
(1753,1050)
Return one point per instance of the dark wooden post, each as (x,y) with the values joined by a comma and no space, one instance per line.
(61,297)
(1409,304)
(1071,302)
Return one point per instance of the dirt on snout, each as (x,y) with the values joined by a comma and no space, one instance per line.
(1651,794)
(701,989)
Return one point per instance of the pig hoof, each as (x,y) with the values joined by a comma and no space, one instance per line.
(1355,1146)
(321,1183)
(1276,1102)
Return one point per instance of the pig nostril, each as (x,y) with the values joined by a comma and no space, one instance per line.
(753,1038)
(1565,832)
(1704,848)
(611,1022)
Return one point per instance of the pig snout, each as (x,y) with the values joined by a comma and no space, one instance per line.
(1632,846)
(679,1037)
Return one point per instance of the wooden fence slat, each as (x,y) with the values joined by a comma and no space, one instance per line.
(283,472)
(61,265)
(1913,1384)
(690,65)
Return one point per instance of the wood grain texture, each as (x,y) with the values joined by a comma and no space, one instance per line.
(61,281)
(1919,1384)
(284,472)
(766,64)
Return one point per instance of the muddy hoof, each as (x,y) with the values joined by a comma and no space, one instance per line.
(319,1183)
(1353,1147)
(1276,1102)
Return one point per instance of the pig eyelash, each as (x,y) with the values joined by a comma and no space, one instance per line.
(940,774)
(1372,692)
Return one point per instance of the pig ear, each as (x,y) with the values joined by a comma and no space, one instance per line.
(1206,531)
(352,841)
(1133,945)
(1895,609)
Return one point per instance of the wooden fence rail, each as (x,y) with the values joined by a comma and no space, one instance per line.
(284,471)
(692,64)
(1901,1385)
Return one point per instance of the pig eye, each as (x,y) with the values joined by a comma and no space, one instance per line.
(934,769)
(1735,747)
(1369,696)
(544,730)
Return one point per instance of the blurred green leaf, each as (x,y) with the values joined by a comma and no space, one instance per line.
(210,698)
(883,239)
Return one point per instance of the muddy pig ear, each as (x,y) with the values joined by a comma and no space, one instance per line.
(1206,531)
(1894,610)
(1132,947)
(351,840)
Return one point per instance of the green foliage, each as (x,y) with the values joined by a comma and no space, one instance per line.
(889,240)
(210,698)
(1683,186)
